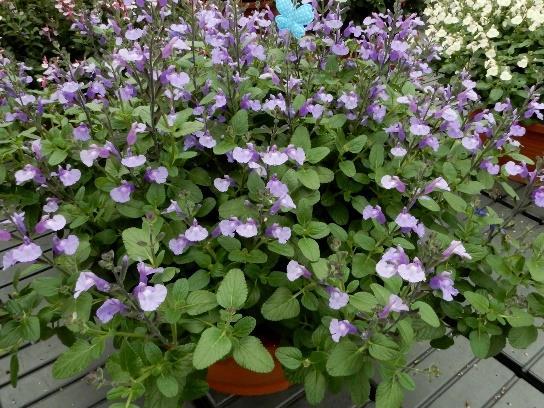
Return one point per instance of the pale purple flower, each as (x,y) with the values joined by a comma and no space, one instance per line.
(205,139)
(444,282)
(223,184)
(388,265)
(491,168)
(27,173)
(399,151)
(394,304)
(276,187)
(457,248)
(340,49)
(173,207)
(87,280)
(196,233)
(81,133)
(26,252)
(66,245)
(375,213)
(350,100)
(337,298)
(69,176)
(406,220)
(179,245)
(538,196)
(282,234)
(437,183)
(296,153)
(134,34)
(178,80)
(388,182)
(158,175)
(145,270)
(54,223)
(341,328)
(419,229)
(122,193)
(88,156)
(284,203)
(36,147)
(150,297)
(296,270)
(51,205)
(242,155)
(7,260)
(135,128)
(247,229)
(109,309)
(228,227)
(273,157)
(5,235)
(419,128)
(134,161)
(513,169)
(470,143)
(412,272)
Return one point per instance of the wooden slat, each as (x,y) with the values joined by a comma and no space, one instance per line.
(520,395)
(80,394)
(266,401)
(27,280)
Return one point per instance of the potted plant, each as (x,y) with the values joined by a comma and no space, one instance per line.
(500,43)
(272,192)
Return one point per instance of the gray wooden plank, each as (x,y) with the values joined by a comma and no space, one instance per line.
(32,357)
(220,400)
(80,394)
(340,400)
(450,363)
(520,395)
(525,357)
(280,399)
(537,368)
(7,290)
(5,245)
(474,387)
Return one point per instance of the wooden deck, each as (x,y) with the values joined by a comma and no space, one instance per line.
(514,379)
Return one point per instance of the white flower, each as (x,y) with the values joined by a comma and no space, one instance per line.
(492,71)
(506,75)
(492,33)
(503,3)
(522,63)
(491,53)
(516,20)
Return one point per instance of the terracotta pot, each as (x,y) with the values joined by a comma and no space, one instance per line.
(533,141)
(227,377)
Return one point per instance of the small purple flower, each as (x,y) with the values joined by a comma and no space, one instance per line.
(394,304)
(491,168)
(223,184)
(81,133)
(296,270)
(178,80)
(122,193)
(36,147)
(150,297)
(69,176)
(196,233)
(412,272)
(457,248)
(205,139)
(27,173)
(227,228)
(146,270)
(67,246)
(51,205)
(340,49)
(513,169)
(173,207)
(399,151)
(282,234)
(538,196)
(273,157)
(179,245)
(391,259)
(350,100)
(28,251)
(5,235)
(284,203)
(87,280)
(388,182)
(276,187)
(133,132)
(375,213)
(242,155)
(337,298)
(444,282)
(158,175)
(109,309)
(134,34)
(247,229)
(54,223)
(419,128)
(134,161)
(406,220)
(341,328)
(471,143)
(296,153)
(437,183)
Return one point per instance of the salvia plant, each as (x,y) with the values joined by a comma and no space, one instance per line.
(217,180)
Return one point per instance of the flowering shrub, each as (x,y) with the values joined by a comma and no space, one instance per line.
(210,182)
(499,41)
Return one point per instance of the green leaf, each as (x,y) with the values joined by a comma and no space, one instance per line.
(495,94)
(376,156)
(356,145)
(155,195)
(348,168)
(522,337)
(301,138)
(281,305)
(200,301)
(138,244)
(309,248)
(479,302)
(363,301)
(344,359)
(239,122)
(30,327)
(13,370)
(309,178)
(429,203)
(167,385)
(470,187)
(320,268)
(57,157)
(389,394)
(77,358)
(519,318)
(336,121)
(187,128)
(212,346)
(281,249)
(479,343)
(382,348)
(317,154)
(153,353)
(455,202)
(244,326)
(250,353)
(289,357)
(315,386)
(536,268)
(427,313)
(406,381)
(232,291)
